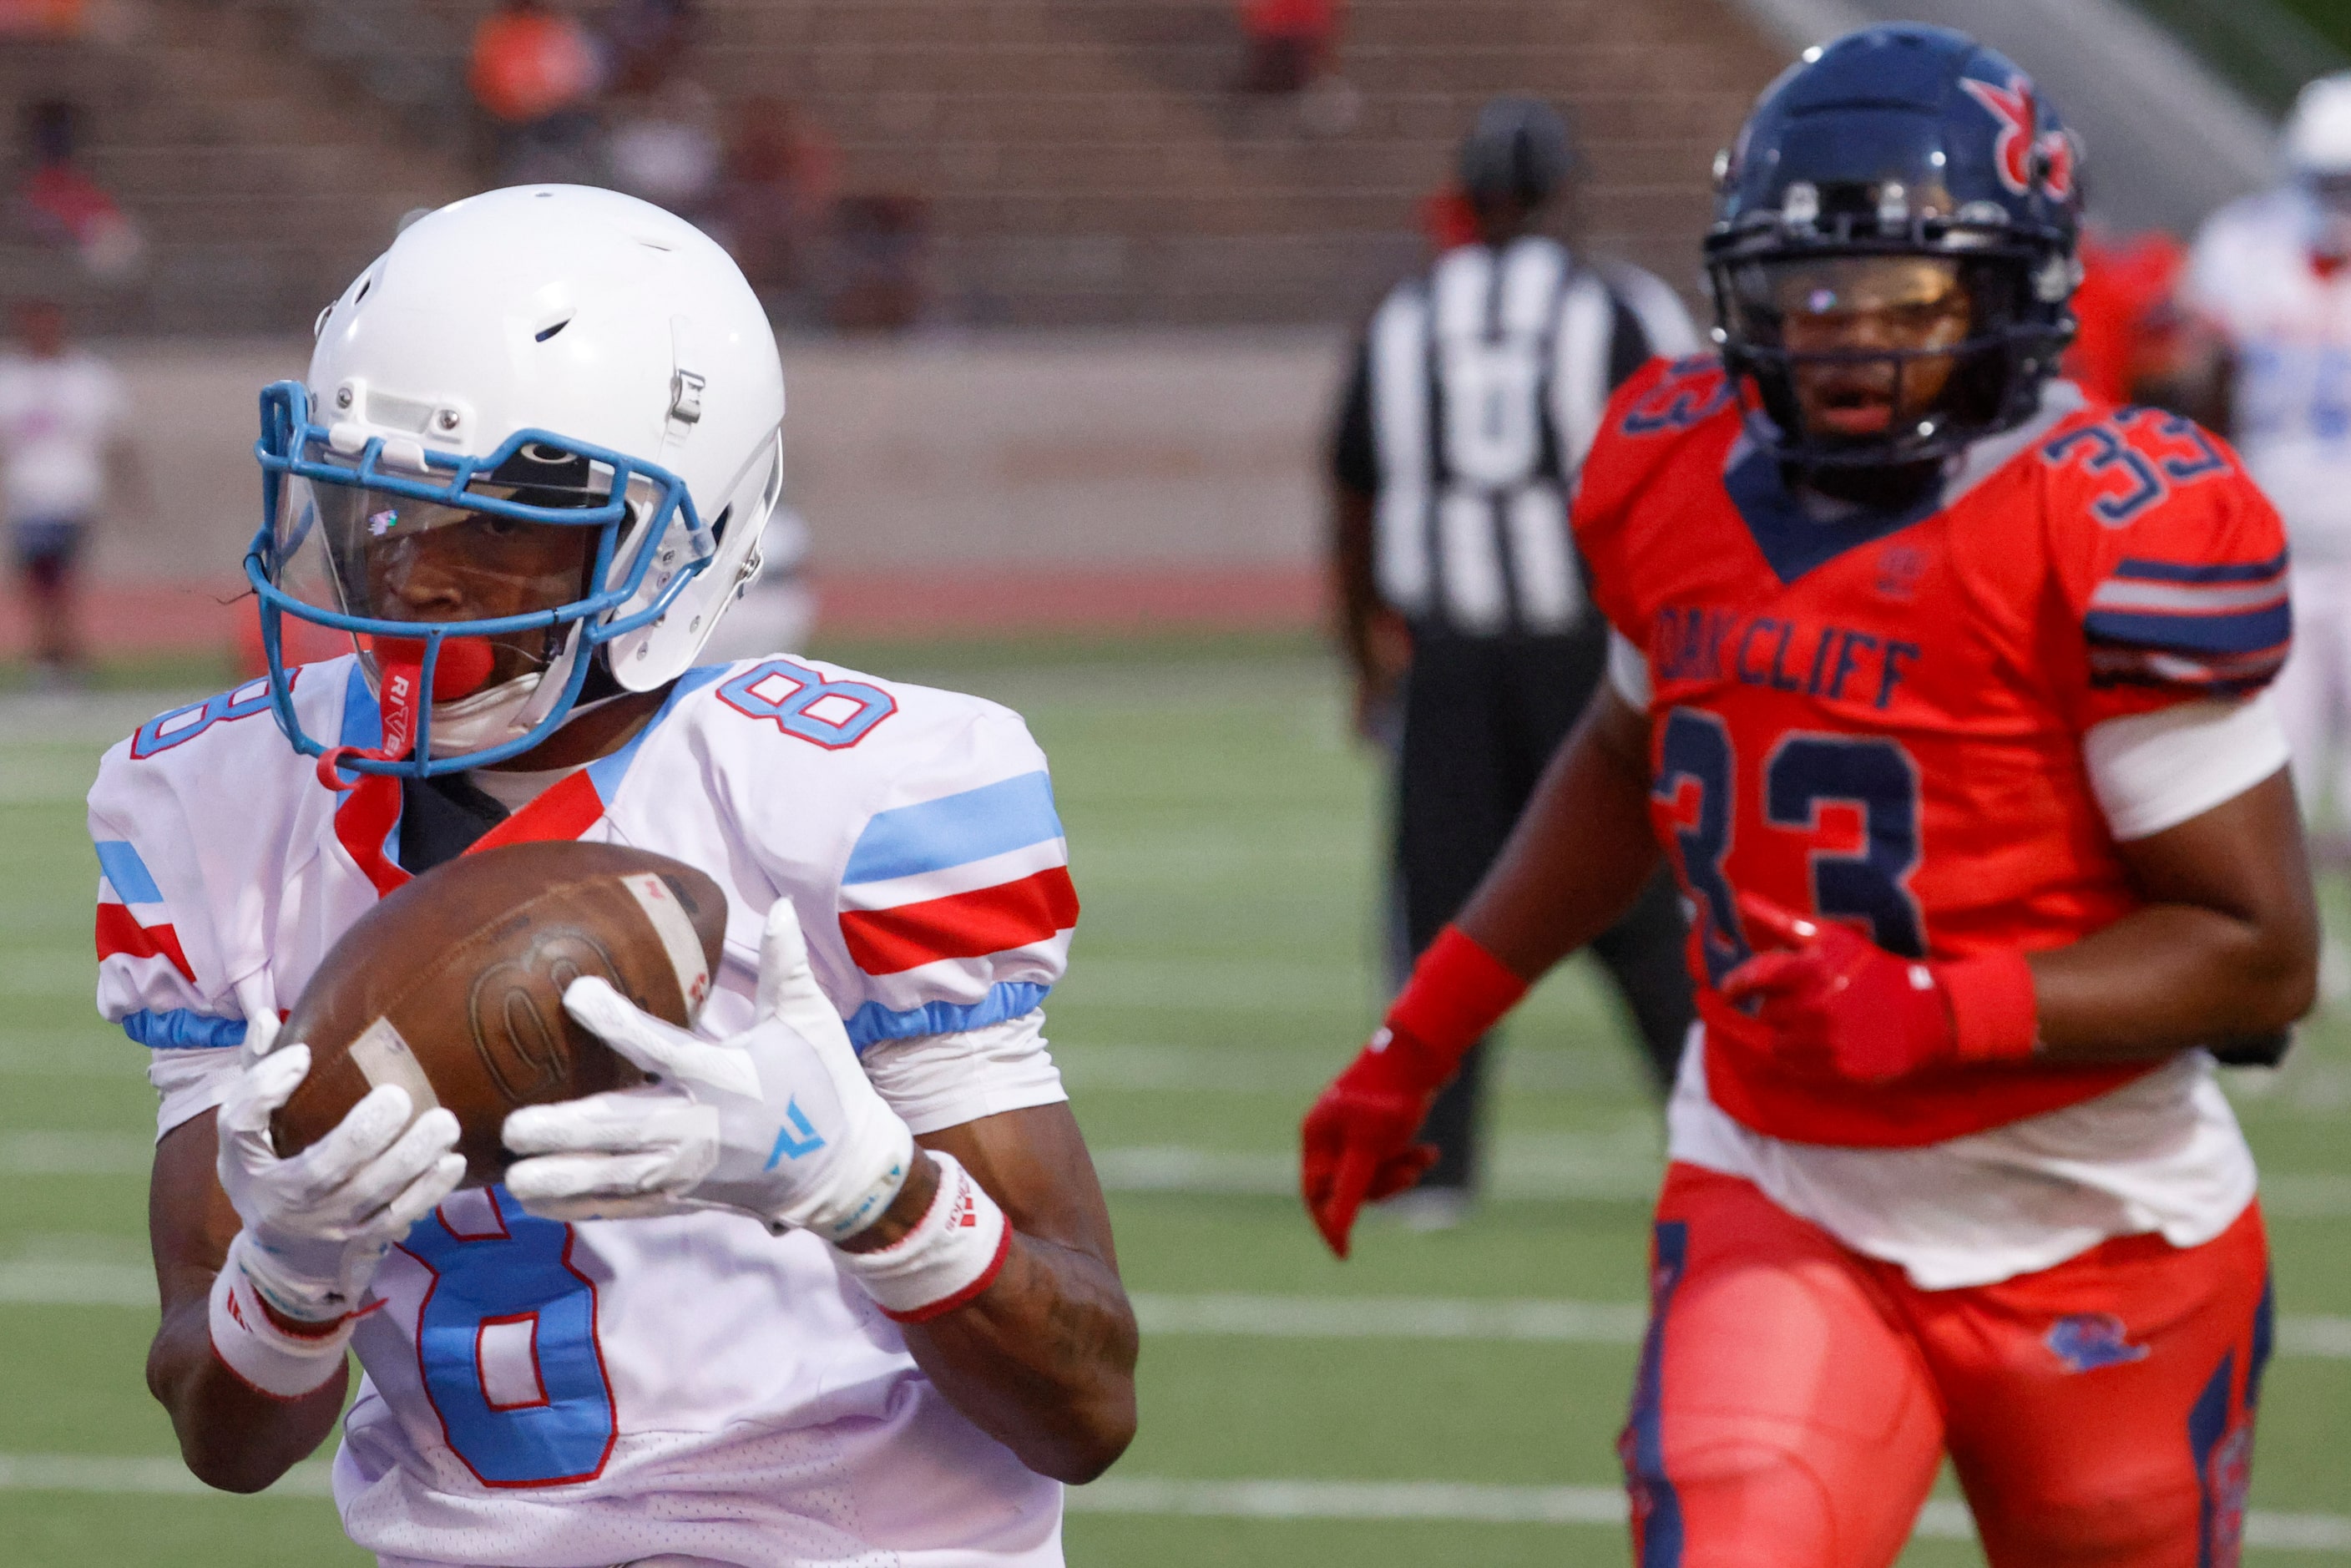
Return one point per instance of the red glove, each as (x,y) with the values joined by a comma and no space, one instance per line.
(1357,1143)
(1839,1006)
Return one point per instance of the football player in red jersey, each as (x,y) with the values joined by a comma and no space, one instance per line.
(1941,688)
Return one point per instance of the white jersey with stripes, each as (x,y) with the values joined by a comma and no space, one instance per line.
(549,1395)
(2287,317)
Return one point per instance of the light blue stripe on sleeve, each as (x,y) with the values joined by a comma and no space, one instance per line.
(127,872)
(956,830)
(180,1029)
(1006,999)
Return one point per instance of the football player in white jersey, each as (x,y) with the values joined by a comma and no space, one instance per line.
(841,1288)
(2270,276)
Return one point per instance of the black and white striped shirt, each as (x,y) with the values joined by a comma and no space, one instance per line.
(1478,391)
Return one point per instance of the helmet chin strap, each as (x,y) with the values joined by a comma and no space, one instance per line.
(513,708)
(464,664)
(545,694)
(481,721)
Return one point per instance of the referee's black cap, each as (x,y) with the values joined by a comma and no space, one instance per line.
(1518,153)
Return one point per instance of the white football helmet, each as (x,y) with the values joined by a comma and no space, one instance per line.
(2318,136)
(542,358)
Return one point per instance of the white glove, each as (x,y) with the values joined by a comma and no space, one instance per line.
(780,1122)
(317,1226)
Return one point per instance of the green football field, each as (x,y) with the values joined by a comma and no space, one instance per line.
(1447,1398)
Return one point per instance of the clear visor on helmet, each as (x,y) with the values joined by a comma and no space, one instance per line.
(1852,303)
(384,557)
(357,550)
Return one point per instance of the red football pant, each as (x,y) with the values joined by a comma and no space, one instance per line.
(1795,1398)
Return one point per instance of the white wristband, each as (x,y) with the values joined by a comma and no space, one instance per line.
(281,1364)
(953,1253)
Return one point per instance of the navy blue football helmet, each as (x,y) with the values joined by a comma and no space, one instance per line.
(1899,140)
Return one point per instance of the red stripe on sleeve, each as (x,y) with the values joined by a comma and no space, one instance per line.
(120,936)
(963,924)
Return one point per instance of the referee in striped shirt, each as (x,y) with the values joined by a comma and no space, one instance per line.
(1476,392)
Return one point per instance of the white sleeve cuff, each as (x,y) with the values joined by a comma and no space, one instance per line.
(191,1081)
(1628,671)
(2156,770)
(936,1080)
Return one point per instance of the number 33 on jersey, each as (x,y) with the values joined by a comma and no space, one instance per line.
(1880,718)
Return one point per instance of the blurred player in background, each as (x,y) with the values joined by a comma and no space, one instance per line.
(1941,688)
(1475,391)
(2127,342)
(841,1288)
(2270,277)
(63,418)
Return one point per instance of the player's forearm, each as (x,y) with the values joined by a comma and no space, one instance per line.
(2226,948)
(2167,977)
(1042,1361)
(1042,1355)
(1582,851)
(233,1436)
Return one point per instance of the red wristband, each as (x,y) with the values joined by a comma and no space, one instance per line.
(1457,991)
(1994,1016)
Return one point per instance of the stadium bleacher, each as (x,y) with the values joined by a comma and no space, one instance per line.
(1076,163)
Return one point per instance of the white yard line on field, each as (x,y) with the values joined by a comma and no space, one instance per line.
(1536,1321)
(1093,1068)
(1461,1502)
(1623,1165)
(67,1282)
(81,1282)
(1449,1502)
(136,1477)
(76,1153)
(1467,1503)
(1362,1317)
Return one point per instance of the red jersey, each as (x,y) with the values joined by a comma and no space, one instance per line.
(2127,327)
(1879,720)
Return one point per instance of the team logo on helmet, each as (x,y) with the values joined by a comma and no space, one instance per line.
(2023,155)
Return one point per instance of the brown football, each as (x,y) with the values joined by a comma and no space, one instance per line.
(452,987)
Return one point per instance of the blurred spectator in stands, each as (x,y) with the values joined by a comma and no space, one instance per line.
(663,147)
(1290,48)
(2128,346)
(62,415)
(660,140)
(644,40)
(62,204)
(41,19)
(1288,43)
(775,199)
(535,73)
(883,250)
